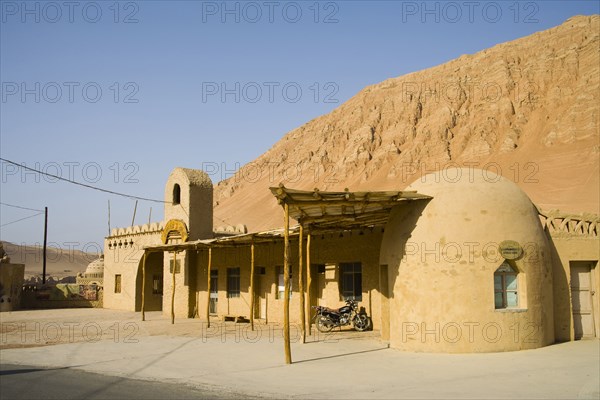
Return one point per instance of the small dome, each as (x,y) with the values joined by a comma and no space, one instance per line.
(96,266)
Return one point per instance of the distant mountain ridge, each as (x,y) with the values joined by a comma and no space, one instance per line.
(527,109)
(60,262)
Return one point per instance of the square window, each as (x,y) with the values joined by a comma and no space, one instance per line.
(233,282)
(214,291)
(351,281)
(177,268)
(117,283)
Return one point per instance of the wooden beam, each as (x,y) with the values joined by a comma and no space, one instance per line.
(323,209)
(252,286)
(308,282)
(286,283)
(301,283)
(349,203)
(144,287)
(208,286)
(335,219)
(173,289)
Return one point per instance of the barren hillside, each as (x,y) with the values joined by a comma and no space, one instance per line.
(527,109)
(60,262)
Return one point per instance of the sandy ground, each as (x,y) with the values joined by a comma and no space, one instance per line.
(231,358)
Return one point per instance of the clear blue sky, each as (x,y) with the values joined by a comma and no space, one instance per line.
(161,67)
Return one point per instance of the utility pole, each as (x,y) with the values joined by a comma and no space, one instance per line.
(134,210)
(108,217)
(45,241)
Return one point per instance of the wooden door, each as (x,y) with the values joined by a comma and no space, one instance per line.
(581,299)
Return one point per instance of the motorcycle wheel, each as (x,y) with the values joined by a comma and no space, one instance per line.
(324,324)
(361,322)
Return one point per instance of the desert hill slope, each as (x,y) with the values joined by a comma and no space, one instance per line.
(527,109)
(60,262)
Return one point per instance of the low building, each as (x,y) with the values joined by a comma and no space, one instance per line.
(467,264)
(12,277)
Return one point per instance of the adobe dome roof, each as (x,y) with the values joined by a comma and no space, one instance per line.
(96,266)
(462,186)
(471,205)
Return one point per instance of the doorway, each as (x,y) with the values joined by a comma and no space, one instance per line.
(214,291)
(582,293)
(261,292)
(153,294)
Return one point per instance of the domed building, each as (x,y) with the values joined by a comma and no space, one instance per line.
(94,273)
(470,270)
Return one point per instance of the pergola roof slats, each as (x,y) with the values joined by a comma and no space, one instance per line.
(230,241)
(341,210)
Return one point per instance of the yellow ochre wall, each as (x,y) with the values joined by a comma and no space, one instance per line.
(327,249)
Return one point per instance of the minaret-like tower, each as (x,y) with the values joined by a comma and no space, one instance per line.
(189,197)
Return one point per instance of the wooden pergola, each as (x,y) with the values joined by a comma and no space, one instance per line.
(316,212)
(322,212)
(246,239)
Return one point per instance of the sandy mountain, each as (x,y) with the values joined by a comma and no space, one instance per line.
(60,262)
(527,109)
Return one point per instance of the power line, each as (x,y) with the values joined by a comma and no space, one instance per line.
(22,219)
(222,220)
(84,184)
(22,208)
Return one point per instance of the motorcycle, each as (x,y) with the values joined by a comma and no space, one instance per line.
(327,318)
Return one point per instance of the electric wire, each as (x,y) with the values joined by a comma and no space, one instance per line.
(22,219)
(84,184)
(22,208)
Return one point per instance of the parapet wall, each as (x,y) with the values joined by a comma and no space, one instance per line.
(562,224)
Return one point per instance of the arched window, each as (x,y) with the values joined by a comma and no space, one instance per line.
(176,194)
(505,286)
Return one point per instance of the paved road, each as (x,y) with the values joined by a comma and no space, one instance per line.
(229,358)
(29,382)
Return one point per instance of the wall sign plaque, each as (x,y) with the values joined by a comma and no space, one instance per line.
(510,250)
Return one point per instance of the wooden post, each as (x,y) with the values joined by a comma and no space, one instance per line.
(301,283)
(134,210)
(144,287)
(173,289)
(308,282)
(286,283)
(208,286)
(266,309)
(252,286)
(45,247)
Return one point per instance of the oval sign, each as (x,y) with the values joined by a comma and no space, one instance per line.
(510,249)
